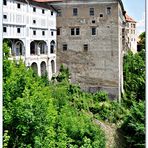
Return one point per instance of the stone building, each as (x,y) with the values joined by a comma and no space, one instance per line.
(30,27)
(90,43)
(131,36)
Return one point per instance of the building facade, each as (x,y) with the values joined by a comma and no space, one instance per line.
(30,28)
(90,43)
(131,35)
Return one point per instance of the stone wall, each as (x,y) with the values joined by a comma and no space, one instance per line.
(98,67)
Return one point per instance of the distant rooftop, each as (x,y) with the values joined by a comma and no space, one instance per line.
(129,19)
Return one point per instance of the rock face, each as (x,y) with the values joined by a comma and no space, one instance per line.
(90,43)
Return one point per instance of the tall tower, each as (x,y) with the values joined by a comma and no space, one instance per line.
(89,43)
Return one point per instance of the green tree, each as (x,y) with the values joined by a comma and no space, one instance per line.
(134,127)
(141,43)
(134,76)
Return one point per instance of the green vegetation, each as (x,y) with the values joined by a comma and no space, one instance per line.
(42,114)
(57,114)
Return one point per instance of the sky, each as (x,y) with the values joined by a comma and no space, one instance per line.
(136,9)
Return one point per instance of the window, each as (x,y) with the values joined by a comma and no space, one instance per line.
(4,2)
(72,31)
(18,6)
(75,11)
(51,33)
(34,9)
(134,26)
(43,11)
(5,16)
(34,21)
(85,47)
(75,31)
(18,30)
(93,31)
(58,31)
(43,33)
(93,21)
(34,32)
(59,13)
(101,15)
(64,47)
(108,10)
(51,12)
(4,29)
(91,11)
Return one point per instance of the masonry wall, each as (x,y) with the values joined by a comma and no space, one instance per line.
(98,67)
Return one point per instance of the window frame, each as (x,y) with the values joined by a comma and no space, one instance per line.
(43,11)
(18,30)
(34,21)
(43,33)
(108,9)
(101,15)
(18,6)
(58,31)
(91,11)
(4,29)
(93,31)
(85,47)
(75,12)
(52,33)
(75,31)
(5,16)
(34,32)
(34,9)
(5,2)
(65,47)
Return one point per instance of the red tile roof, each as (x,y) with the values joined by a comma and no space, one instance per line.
(129,19)
(48,0)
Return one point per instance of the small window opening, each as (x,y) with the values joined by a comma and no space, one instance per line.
(18,6)
(43,33)
(34,32)
(34,9)
(93,21)
(5,16)
(93,31)
(85,47)
(91,11)
(75,11)
(108,10)
(58,31)
(64,47)
(101,15)
(18,30)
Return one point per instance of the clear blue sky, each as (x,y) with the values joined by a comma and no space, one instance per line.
(136,9)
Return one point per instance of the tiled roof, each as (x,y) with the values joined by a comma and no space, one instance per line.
(129,19)
(48,0)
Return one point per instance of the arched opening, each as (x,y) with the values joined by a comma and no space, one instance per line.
(19,48)
(42,47)
(43,68)
(33,49)
(34,67)
(53,66)
(52,46)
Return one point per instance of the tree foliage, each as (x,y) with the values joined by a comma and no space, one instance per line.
(41,114)
(134,99)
